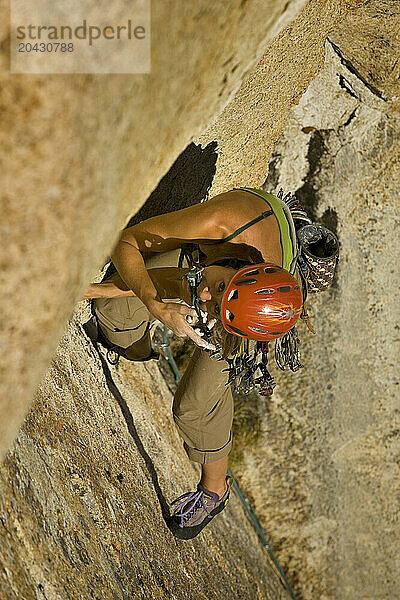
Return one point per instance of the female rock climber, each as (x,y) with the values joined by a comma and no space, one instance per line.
(246,245)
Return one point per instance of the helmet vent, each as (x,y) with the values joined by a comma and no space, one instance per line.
(246,282)
(276,332)
(257,329)
(265,292)
(284,288)
(233,295)
(228,315)
(252,273)
(271,270)
(236,330)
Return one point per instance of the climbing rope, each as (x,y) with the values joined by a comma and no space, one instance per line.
(171,361)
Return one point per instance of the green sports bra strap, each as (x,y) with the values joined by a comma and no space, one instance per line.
(230,237)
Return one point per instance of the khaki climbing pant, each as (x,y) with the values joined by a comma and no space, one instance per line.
(203,409)
(203,403)
(123,321)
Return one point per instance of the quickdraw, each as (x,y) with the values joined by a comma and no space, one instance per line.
(248,370)
(194,277)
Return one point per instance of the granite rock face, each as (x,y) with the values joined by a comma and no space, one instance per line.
(84,490)
(85,486)
(81,153)
(253,121)
(324,478)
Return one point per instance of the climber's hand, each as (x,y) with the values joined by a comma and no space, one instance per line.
(194,322)
(176,317)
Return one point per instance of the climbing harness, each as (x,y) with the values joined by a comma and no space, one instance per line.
(247,370)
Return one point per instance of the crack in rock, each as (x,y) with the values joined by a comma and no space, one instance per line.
(345,61)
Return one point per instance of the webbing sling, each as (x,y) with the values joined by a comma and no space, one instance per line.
(230,237)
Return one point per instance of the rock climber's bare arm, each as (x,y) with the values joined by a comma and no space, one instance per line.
(165,279)
(113,287)
(206,221)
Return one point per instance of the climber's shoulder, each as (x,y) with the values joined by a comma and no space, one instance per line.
(233,208)
(236,200)
(212,220)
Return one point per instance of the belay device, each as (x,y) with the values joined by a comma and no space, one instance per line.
(194,277)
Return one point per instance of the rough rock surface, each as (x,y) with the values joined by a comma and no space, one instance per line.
(80,153)
(369,42)
(85,487)
(253,121)
(324,476)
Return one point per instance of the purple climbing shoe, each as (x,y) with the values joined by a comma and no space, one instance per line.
(195,510)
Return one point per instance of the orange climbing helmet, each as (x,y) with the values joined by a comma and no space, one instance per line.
(262,302)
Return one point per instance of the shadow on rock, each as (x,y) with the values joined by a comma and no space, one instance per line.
(87,327)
